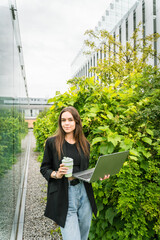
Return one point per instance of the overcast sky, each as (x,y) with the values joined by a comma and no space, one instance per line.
(52,33)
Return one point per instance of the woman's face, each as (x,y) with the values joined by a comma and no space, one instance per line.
(67,122)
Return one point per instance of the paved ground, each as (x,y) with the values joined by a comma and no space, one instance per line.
(36,226)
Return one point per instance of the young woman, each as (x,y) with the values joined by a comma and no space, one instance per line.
(70,202)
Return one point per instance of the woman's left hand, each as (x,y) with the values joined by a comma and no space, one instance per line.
(62,170)
(105,177)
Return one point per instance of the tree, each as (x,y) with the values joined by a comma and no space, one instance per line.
(120,60)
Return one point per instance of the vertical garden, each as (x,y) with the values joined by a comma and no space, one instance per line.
(119,112)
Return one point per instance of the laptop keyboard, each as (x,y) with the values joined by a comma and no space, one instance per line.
(86,175)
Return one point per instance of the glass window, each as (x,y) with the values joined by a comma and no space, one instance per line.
(155,42)
(134,26)
(13,127)
(120,34)
(114,45)
(101,54)
(127,29)
(111,6)
(143,18)
(154,7)
(94,63)
(107,13)
(134,20)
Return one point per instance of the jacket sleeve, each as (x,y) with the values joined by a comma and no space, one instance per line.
(46,166)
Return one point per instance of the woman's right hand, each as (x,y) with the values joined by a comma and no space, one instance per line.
(62,170)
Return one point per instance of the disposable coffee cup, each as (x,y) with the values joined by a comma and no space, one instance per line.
(68,162)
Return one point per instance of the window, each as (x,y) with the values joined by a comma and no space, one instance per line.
(88,69)
(134,20)
(107,13)
(143,18)
(83,73)
(120,34)
(134,26)
(104,50)
(114,45)
(100,54)
(155,31)
(109,51)
(127,29)
(154,7)
(111,6)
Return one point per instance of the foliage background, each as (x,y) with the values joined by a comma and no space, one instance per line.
(122,113)
(12,129)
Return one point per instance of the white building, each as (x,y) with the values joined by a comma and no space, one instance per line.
(121,19)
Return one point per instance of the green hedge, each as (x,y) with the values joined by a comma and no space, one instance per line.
(117,118)
(12,129)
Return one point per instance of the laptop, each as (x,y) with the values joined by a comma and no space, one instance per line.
(106,164)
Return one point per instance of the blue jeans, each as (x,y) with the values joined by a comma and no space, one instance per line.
(79,214)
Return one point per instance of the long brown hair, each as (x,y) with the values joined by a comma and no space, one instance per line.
(81,141)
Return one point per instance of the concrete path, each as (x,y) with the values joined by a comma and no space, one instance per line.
(36,226)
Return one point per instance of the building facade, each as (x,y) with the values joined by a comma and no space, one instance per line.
(29,108)
(121,19)
(13,150)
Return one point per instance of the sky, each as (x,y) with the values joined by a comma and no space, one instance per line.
(52,33)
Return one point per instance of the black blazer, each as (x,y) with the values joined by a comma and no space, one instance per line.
(57,192)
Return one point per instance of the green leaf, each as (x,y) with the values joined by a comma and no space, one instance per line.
(103,149)
(60,104)
(100,194)
(100,206)
(134,152)
(73,88)
(103,116)
(110,148)
(98,139)
(150,132)
(147,140)
(110,115)
(94,109)
(114,138)
(147,154)
(144,165)
(91,114)
(124,129)
(103,128)
(106,148)
(110,214)
(133,158)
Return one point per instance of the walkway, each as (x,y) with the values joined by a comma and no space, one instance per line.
(36,226)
